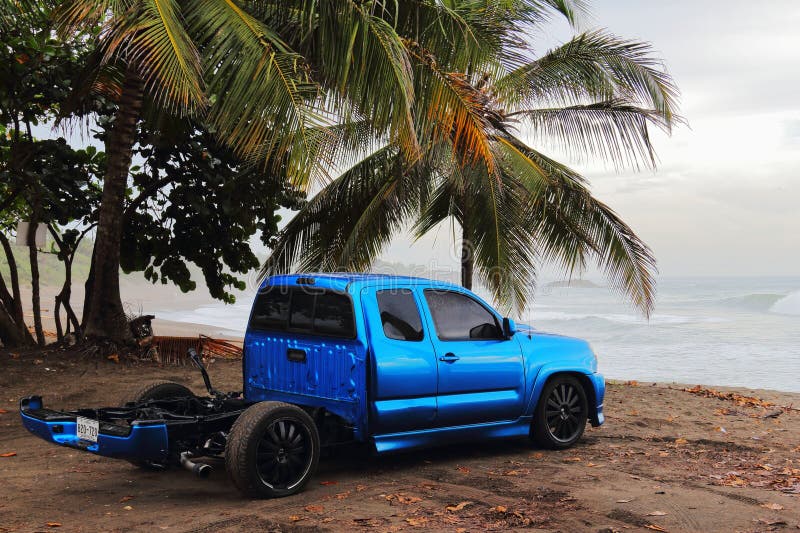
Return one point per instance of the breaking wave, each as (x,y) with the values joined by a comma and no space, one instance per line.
(753,302)
(787,305)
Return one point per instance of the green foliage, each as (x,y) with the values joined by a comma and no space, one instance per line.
(195,202)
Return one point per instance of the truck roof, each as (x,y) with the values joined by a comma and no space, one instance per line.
(345,280)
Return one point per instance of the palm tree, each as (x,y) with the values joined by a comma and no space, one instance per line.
(597,95)
(265,75)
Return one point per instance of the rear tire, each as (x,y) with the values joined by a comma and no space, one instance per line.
(561,414)
(156,390)
(272,450)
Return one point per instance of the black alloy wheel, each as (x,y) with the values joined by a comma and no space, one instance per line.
(561,414)
(284,454)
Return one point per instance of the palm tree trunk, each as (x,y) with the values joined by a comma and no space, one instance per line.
(467,253)
(106,317)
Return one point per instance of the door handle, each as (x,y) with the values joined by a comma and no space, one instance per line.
(449,358)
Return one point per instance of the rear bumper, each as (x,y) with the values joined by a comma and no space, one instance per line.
(138,442)
(596,416)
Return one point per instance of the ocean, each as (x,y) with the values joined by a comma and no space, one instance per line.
(711,331)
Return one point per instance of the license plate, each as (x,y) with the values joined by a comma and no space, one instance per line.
(87,429)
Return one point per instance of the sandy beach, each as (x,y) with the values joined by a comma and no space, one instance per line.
(666,460)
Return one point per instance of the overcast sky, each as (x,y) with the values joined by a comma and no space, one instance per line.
(725,199)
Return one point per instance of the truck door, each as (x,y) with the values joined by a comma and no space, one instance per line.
(403,378)
(481,373)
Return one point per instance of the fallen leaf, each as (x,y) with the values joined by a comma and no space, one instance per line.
(463,469)
(326,483)
(125,499)
(499,509)
(632,383)
(314,508)
(681,441)
(3,411)
(655,527)
(128,508)
(360,488)
(537,455)
(113,357)
(417,521)
(343,495)
(53,524)
(8,454)
(657,513)
(14,355)
(773,506)
(37,361)
(573,460)
(295,518)
(461,505)
(772,522)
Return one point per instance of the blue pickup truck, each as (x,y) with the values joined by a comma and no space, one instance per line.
(396,362)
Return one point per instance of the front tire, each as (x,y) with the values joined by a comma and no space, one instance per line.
(272,450)
(561,414)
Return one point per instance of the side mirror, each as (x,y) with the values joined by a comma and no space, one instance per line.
(509,327)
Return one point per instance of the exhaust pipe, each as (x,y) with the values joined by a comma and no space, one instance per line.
(201,470)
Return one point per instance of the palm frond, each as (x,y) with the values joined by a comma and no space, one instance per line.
(610,131)
(500,240)
(455,111)
(263,98)
(360,59)
(150,38)
(348,222)
(594,66)
(571,228)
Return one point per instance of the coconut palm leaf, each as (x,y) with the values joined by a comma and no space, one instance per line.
(455,111)
(263,98)
(571,228)
(151,38)
(591,67)
(347,223)
(360,59)
(610,131)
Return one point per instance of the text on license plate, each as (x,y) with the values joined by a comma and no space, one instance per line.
(87,429)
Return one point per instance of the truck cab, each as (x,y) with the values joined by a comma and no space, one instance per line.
(403,361)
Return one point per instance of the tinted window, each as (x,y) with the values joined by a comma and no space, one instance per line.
(399,315)
(459,317)
(271,309)
(304,310)
(333,315)
(301,314)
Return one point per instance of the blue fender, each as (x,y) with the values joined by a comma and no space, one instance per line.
(593,382)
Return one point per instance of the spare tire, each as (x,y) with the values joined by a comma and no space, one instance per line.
(155,390)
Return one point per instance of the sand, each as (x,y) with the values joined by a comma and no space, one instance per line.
(666,460)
